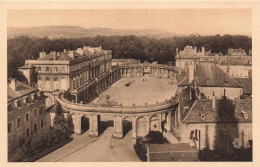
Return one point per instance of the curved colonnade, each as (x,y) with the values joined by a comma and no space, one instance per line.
(144,118)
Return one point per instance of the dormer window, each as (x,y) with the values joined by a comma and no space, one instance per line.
(226,81)
(207,81)
(202,116)
(245,114)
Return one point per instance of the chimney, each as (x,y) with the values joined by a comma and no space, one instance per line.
(177,51)
(191,72)
(213,101)
(13,84)
(55,55)
(42,54)
(203,50)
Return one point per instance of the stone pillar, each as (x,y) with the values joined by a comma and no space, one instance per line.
(160,122)
(76,118)
(148,123)
(93,125)
(169,121)
(134,128)
(118,127)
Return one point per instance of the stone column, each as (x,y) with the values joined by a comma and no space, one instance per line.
(148,123)
(76,118)
(169,120)
(160,122)
(93,125)
(118,127)
(176,118)
(134,128)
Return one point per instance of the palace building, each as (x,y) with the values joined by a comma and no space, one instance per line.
(73,70)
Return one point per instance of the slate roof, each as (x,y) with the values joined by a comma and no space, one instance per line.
(208,74)
(124,61)
(27,66)
(226,111)
(22,89)
(246,83)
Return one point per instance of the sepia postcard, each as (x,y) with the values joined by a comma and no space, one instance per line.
(127,81)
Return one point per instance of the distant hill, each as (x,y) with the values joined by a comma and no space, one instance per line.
(54,32)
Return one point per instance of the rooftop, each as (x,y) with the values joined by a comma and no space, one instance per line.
(172,152)
(208,74)
(21,89)
(226,111)
(246,83)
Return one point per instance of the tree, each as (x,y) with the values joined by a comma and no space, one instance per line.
(59,121)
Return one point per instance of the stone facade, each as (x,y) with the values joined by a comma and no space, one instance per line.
(26,112)
(236,63)
(60,71)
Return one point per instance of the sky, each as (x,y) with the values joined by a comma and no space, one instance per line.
(180,21)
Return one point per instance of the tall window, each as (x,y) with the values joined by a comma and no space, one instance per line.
(39,83)
(9,127)
(41,109)
(39,68)
(56,84)
(27,117)
(27,132)
(35,128)
(19,122)
(55,69)
(47,84)
(47,69)
(63,69)
(224,134)
(41,123)
(35,113)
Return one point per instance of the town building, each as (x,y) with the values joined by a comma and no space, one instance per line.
(73,70)
(26,112)
(209,78)
(236,63)
(211,112)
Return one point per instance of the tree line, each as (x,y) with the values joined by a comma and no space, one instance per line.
(162,50)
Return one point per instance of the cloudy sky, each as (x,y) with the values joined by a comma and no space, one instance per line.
(181,21)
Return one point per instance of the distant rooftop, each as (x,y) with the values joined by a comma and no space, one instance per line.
(208,74)
(86,51)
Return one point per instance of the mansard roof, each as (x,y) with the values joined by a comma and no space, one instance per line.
(226,111)
(246,83)
(21,90)
(208,74)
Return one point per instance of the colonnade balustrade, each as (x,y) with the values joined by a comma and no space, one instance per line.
(153,117)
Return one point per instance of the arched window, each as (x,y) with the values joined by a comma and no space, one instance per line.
(56,83)
(47,84)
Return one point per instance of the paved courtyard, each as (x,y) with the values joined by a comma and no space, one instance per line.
(139,92)
(95,149)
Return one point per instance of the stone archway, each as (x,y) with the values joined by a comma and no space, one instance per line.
(127,125)
(84,124)
(141,126)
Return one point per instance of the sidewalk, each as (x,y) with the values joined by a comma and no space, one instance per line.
(78,142)
(125,149)
(171,139)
